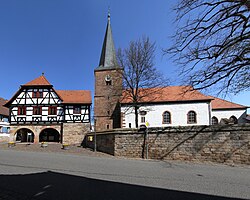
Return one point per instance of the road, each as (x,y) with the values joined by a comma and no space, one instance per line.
(39,175)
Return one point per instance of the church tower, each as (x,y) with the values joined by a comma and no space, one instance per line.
(108,86)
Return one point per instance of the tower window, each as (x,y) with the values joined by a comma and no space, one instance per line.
(108,112)
(109,82)
(107,126)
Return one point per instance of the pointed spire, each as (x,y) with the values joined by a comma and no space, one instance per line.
(108,56)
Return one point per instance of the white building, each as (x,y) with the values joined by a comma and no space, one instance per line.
(175,106)
(228,112)
(4,115)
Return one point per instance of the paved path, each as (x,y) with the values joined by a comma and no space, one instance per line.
(40,175)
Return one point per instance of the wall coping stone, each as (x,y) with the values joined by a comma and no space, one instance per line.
(176,129)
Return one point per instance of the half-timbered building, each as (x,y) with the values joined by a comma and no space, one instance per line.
(39,113)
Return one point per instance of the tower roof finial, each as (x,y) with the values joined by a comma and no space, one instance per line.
(109,13)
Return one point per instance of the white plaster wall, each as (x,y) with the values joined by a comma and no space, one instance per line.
(29,113)
(4,125)
(178,114)
(70,113)
(239,114)
(29,100)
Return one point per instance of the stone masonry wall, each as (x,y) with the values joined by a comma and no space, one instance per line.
(74,133)
(4,138)
(104,143)
(222,144)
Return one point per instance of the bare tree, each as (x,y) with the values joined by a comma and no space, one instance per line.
(139,73)
(212,43)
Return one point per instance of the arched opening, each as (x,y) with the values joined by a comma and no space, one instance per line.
(215,120)
(24,135)
(233,120)
(166,117)
(49,135)
(191,117)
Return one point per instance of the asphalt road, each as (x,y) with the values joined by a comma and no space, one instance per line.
(36,175)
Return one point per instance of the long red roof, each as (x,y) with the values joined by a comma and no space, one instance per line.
(75,96)
(218,104)
(166,94)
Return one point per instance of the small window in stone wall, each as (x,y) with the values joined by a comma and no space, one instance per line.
(107,126)
(129,125)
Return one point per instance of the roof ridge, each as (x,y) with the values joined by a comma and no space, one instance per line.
(41,80)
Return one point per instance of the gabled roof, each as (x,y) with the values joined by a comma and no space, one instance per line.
(67,96)
(167,94)
(3,110)
(75,96)
(40,81)
(221,104)
(108,56)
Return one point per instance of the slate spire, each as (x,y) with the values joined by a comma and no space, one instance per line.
(108,56)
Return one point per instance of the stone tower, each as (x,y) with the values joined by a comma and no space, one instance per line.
(108,86)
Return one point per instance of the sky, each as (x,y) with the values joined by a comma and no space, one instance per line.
(63,40)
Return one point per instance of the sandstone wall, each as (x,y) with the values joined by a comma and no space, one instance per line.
(222,144)
(105,142)
(74,133)
(4,137)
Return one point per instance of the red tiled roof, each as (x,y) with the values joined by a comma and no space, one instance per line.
(166,94)
(3,110)
(218,103)
(40,81)
(75,96)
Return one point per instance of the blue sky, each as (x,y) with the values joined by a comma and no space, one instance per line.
(63,39)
